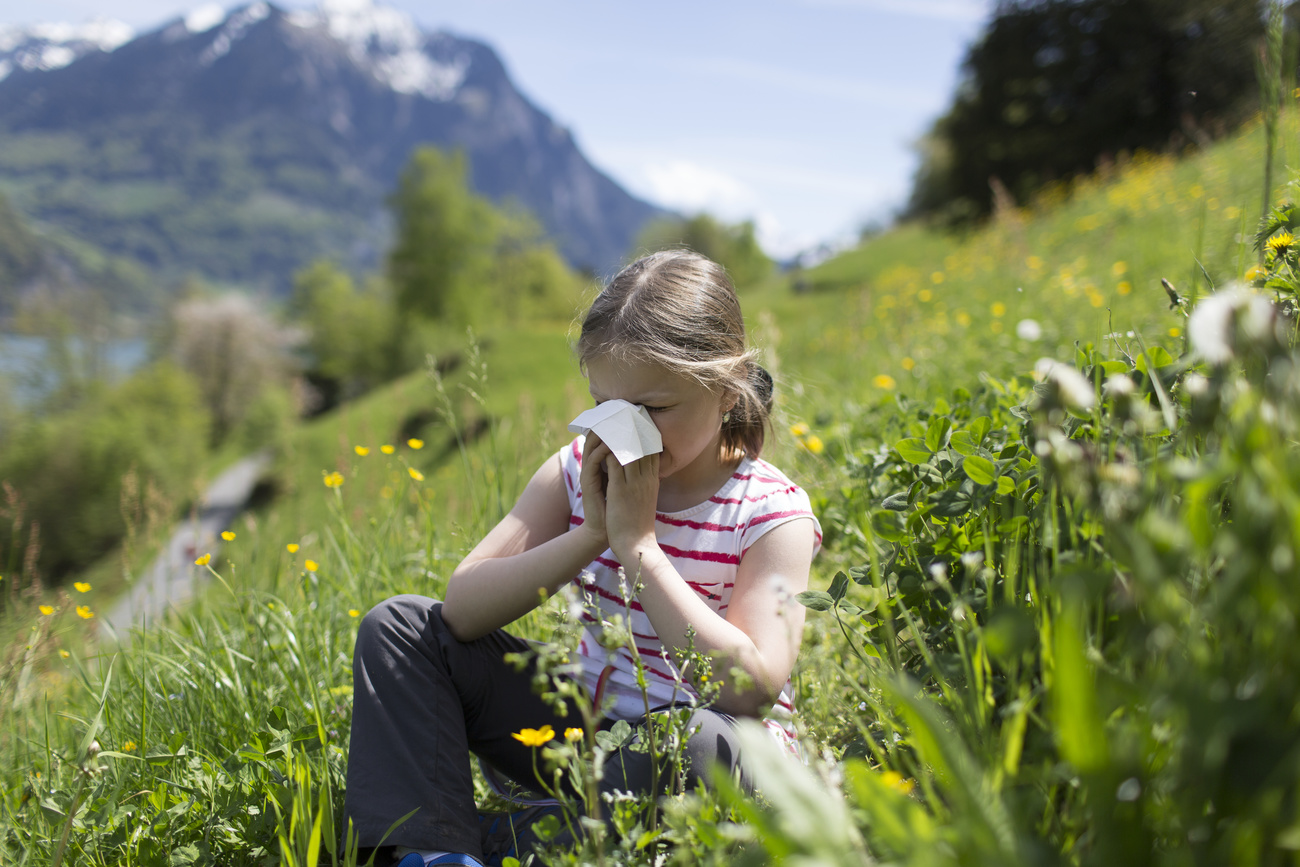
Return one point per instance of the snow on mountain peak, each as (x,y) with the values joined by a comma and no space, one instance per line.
(232,30)
(389,43)
(204,18)
(53,46)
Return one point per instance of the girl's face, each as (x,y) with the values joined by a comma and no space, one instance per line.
(688,415)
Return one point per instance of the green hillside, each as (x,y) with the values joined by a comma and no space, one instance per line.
(978,677)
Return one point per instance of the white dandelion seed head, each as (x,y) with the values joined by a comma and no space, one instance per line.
(1075,390)
(1119,385)
(1224,318)
(1028,329)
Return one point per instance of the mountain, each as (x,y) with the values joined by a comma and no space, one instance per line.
(242,144)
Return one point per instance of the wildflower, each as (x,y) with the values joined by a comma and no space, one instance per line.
(1028,329)
(415,444)
(1124,288)
(270,605)
(1217,321)
(1254,272)
(386,492)
(1119,269)
(47,610)
(334,479)
(84,612)
(1033,263)
(311,565)
(1175,331)
(814,444)
(128,747)
(963,319)
(63,653)
(228,535)
(573,734)
(884,381)
(415,474)
(924,296)
(998,308)
(937,277)
(1074,389)
(534,737)
(907,363)
(897,782)
(361,451)
(1279,243)
(387,449)
(1118,385)
(81,586)
(799,430)
(292,547)
(354,612)
(204,560)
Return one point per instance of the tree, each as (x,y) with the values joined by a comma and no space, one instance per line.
(20,254)
(348,331)
(734,247)
(1053,85)
(445,235)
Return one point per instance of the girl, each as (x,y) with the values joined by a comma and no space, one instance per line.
(720,540)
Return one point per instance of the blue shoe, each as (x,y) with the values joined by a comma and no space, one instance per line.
(510,835)
(414,859)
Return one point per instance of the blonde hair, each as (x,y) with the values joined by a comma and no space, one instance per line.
(678,309)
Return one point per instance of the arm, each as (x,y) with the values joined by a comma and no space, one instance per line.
(529,551)
(764,624)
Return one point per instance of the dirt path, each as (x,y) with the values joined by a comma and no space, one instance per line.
(173,578)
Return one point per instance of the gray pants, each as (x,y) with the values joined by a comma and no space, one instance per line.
(422,701)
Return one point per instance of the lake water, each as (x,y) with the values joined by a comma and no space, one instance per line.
(27,373)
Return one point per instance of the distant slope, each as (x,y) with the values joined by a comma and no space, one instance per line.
(241,146)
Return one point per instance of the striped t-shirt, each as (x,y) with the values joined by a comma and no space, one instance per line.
(705,544)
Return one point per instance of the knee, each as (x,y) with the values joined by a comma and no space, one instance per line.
(396,620)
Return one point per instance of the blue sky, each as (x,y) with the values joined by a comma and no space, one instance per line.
(799,114)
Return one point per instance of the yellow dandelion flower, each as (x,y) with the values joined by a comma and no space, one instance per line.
(1254,272)
(47,610)
(415,444)
(885,381)
(1278,243)
(937,277)
(899,783)
(386,493)
(534,737)
(361,451)
(1033,263)
(81,586)
(1175,332)
(228,535)
(387,449)
(128,747)
(354,612)
(292,547)
(271,606)
(1119,269)
(415,474)
(1124,287)
(84,612)
(814,444)
(908,363)
(573,734)
(799,430)
(334,479)
(204,560)
(63,653)
(996,326)
(924,296)
(311,565)
(963,319)
(998,309)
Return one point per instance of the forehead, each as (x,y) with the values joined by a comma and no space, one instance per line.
(635,381)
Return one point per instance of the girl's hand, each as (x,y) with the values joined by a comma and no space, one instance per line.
(593,483)
(631,495)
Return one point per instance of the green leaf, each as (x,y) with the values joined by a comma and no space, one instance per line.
(963,442)
(839,586)
(1006,485)
(1112,367)
(1158,355)
(982,471)
(980,428)
(913,451)
(1075,710)
(936,433)
(817,600)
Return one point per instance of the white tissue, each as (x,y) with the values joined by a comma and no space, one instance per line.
(625,427)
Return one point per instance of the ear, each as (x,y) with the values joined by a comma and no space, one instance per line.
(729,400)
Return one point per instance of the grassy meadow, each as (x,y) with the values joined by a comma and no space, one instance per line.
(1049,626)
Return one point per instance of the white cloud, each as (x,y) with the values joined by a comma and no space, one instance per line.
(691,187)
(872,94)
